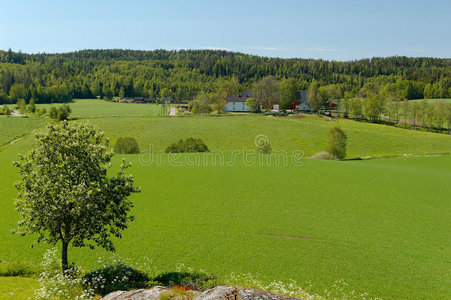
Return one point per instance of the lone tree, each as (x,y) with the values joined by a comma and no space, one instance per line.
(289,93)
(336,143)
(314,97)
(64,193)
(266,92)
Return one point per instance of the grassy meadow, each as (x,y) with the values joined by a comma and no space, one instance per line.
(431,101)
(12,288)
(380,225)
(93,108)
(234,132)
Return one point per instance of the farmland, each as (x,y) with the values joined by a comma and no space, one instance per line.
(380,225)
(234,132)
(91,108)
(17,288)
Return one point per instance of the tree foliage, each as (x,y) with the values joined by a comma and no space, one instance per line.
(60,113)
(65,194)
(188,145)
(356,108)
(266,92)
(314,97)
(336,142)
(126,145)
(53,78)
(289,92)
(373,107)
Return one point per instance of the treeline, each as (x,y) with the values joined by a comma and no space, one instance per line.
(186,73)
(435,116)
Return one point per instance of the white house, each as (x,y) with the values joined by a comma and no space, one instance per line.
(302,103)
(237,104)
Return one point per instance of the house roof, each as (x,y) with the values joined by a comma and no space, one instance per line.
(247,94)
(235,99)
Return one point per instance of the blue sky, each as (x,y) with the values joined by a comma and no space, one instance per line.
(338,30)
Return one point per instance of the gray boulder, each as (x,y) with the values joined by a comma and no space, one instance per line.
(219,292)
(239,293)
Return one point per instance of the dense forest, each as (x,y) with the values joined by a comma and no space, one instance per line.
(186,73)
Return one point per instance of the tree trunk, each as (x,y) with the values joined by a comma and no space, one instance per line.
(64,262)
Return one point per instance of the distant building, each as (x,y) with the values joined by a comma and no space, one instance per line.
(149,100)
(138,99)
(237,104)
(301,103)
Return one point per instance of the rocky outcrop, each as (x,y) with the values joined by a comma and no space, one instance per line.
(219,292)
(239,293)
(142,294)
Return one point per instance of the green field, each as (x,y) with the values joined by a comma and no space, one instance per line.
(14,128)
(90,108)
(12,288)
(380,225)
(236,132)
(430,101)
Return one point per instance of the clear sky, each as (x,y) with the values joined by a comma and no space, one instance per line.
(339,30)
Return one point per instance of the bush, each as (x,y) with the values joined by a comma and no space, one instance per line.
(21,105)
(336,144)
(61,113)
(115,277)
(264,149)
(5,110)
(41,112)
(32,106)
(199,107)
(188,145)
(56,285)
(189,280)
(126,145)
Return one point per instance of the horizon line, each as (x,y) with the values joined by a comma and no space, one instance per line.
(217,49)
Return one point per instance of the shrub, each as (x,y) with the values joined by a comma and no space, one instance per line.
(32,106)
(117,276)
(61,113)
(336,144)
(21,105)
(5,110)
(264,148)
(56,285)
(41,112)
(188,145)
(126,145)
(191,280)
(199,107)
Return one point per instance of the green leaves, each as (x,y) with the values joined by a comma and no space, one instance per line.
(64,193)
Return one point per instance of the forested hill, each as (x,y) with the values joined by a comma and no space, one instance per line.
(90,73)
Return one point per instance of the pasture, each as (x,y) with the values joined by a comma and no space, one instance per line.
(93,108)
(430,101)
(12,288)
(13,128)
(238,132)
(382,226)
